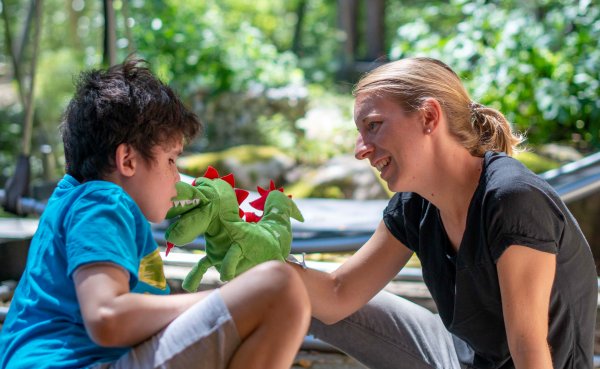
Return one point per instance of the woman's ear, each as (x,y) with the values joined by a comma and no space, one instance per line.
(126,158)
(432,114)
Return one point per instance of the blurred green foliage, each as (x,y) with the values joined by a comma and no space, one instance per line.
(206,46)
(264,72)
(195,165)
(535,61)
(10,138)
(536,163)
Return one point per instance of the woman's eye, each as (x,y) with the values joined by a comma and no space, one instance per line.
(372,125)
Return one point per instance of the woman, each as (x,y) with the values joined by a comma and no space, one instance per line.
(510,271)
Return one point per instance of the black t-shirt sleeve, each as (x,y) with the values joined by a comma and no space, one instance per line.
(402,216)
(522,214)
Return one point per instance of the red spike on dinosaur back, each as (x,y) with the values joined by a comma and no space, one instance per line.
(251,217)
(241,195)
(272,187)
(211,173)
(229,179)
(259,204)
(262,191)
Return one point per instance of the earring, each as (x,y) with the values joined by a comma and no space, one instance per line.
(428,130)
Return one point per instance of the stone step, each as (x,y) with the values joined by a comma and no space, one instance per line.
(408,284)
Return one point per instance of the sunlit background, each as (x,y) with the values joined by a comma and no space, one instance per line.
(278,74)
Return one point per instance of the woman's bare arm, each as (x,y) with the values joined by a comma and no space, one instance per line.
(526,277)
(338,294)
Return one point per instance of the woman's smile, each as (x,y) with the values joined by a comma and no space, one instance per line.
(381,164)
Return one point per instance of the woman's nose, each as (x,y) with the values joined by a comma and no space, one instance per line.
(361,149)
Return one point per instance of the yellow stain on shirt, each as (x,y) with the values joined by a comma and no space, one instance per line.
(151,270)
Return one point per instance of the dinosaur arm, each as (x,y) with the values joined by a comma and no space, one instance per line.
(230,262)
(192,280)
(276,219)
(280,236)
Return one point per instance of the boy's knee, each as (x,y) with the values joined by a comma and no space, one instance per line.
(285,286)
(278,276)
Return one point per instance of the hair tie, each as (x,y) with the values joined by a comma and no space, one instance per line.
(474,106)
(475,109)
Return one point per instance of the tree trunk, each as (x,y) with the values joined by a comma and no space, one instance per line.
(347,13)
(375,35)
(110,34)
(300,11)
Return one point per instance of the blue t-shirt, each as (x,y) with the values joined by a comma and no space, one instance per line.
(82,223)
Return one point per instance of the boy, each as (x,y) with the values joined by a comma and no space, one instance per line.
(78,303)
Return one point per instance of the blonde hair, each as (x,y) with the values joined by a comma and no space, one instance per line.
(411,81)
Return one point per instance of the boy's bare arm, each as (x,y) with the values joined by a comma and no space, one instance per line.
(114,316)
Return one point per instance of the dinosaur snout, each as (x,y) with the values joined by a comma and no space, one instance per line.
(186,202)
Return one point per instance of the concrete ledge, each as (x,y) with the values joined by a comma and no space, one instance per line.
(408,284)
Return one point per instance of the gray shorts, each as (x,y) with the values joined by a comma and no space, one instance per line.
(204,336)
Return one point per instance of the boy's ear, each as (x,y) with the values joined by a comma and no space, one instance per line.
(126,158)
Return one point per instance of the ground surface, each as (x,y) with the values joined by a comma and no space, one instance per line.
(309,358)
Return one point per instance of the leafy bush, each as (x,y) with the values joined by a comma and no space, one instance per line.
(10,140)
(537,64)
(233,76)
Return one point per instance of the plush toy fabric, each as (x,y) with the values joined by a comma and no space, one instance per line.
(210,207)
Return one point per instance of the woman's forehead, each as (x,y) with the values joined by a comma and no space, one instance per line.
(363,104)
(367,104)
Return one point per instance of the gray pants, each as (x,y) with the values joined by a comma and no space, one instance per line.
(391,332)
(204,336)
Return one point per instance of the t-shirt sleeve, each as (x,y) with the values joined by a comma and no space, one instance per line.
(397,215)
(101,228)
(522,215)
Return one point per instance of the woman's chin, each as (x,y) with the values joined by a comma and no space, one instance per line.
(396,185)
(393,186)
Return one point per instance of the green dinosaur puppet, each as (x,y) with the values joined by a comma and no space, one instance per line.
(210,206)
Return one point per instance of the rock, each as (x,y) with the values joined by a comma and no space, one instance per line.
(252,165)
(561,153)
(341,177)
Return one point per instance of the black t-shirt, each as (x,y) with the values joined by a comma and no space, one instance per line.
(511,206)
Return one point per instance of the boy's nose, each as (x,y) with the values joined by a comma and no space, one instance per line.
(361,149)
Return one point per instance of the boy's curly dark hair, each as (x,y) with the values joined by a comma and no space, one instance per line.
(124,104)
